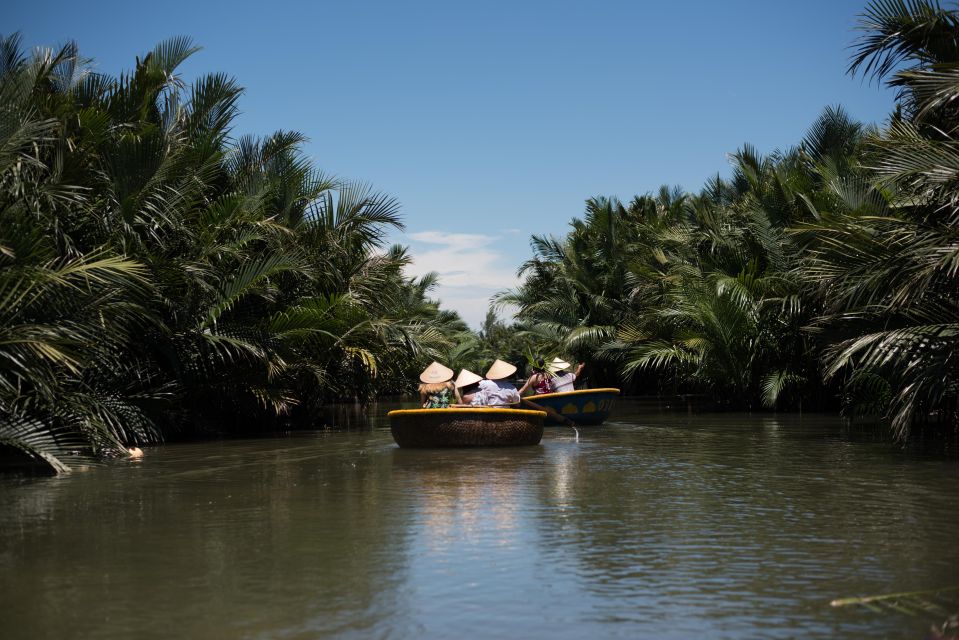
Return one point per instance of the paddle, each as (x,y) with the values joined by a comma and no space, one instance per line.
(552,413)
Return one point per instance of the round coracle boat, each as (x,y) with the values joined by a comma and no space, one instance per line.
(466,427)
(583,407)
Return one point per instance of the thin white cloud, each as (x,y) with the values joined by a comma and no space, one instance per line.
(470,266)
(456,240)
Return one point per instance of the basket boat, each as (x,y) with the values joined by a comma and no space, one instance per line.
(584,407)
(466,427)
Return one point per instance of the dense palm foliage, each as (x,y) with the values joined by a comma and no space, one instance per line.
(158,274)
(476,350)
(828,270)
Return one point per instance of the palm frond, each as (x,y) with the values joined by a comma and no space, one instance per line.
(58,447)
(934,603)
(250,276)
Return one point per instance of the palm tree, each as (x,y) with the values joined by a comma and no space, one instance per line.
(885,259)
(158,275)
(56,347)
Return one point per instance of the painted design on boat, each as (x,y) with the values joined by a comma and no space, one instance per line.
(583,406)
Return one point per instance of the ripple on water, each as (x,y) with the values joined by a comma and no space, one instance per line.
(656,525)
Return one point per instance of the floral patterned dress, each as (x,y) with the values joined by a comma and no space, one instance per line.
(439,400)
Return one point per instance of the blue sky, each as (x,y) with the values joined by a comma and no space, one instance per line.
(491,121)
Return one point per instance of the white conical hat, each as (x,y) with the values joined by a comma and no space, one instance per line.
(436,373)
(500,370)
(558,364)
(466,378)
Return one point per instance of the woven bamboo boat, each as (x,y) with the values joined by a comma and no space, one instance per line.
(466,427)
(584,407)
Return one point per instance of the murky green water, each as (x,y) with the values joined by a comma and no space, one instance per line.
(659,526)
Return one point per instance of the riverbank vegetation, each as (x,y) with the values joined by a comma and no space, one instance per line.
(160,276)
(823,275)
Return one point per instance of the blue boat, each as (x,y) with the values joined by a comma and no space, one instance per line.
(584,407)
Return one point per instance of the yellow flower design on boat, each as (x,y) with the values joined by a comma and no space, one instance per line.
(584,407)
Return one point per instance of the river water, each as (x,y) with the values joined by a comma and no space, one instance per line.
(654,525)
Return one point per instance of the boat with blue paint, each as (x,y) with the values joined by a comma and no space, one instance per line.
(583,406)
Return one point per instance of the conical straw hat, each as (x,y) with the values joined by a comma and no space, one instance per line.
(500,370)
(436,373)
(558,364)
(466,378)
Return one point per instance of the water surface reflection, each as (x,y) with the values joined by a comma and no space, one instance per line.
(657,525)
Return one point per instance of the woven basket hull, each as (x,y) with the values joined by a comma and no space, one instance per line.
(468,427)
(584,407)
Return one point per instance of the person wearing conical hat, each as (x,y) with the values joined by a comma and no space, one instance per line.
(563,379)
(437,390)
(497,390)
(467,387)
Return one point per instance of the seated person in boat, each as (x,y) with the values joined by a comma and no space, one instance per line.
(563,379)
(467,387)
(437,390)
(497,390)
(540,381)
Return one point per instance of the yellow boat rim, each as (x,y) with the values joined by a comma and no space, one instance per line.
(467,410)
(565,394)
